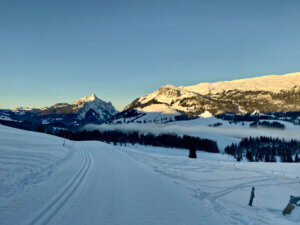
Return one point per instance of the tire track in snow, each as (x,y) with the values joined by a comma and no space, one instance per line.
(48,212)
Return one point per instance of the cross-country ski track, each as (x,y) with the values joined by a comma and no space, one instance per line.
(97,183)
(49,211)
(43,182)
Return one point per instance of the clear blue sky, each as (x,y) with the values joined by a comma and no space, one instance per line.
(59,50)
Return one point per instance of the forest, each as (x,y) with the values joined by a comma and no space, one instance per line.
(149,139)
(265,149)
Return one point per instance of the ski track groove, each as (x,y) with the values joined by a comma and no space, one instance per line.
(49,211)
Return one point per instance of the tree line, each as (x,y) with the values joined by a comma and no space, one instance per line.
(267,124)
(149,139)
(265,149)
(121,137)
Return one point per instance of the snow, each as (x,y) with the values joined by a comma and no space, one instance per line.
(167,94)
(103,110)
(224,135)
(95,183)
(161,108)
(206,114)
(92,102)
(5,117)
(44,182)
(20,109)
(272,83)
(89,98)
(45,121)
(22,161)
(224,186)
(172,96)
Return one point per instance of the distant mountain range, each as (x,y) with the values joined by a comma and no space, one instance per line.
(274,93)
(83,111)
(260,95)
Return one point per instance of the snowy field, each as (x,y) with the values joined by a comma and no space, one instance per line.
(82,183)
(224,186)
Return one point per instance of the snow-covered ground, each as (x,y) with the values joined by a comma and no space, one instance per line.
(27,158)
(82,183)
(225,185)
(6,117)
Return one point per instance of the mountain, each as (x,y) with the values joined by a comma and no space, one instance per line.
(273,93)
(85,110)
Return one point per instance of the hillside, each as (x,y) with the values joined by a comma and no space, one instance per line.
(274,93)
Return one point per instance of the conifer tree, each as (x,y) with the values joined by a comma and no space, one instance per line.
(296,158)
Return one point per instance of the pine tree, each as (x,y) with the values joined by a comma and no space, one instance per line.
(239,157)
(272,158)
(296,158)
(267,158)
(249,156)
(41,129)
(193,153)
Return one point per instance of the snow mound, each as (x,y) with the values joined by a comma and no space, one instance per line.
(206,114)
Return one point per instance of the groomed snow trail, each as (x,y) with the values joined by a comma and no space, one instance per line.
(90,183)
(50,209)
(122,191)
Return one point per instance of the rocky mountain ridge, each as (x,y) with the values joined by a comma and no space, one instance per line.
(275,93)
(89,109)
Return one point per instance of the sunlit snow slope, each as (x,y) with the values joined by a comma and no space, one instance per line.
(273,93)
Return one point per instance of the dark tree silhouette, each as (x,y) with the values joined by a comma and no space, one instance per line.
(296,158)
(193,153)
(264,149)
(161,140)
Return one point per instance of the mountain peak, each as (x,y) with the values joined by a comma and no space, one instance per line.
(90,98)
(102,109)
(89,109)
(168,86)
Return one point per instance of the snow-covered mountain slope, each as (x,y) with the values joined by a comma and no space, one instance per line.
(156,113)
(274,93)
(270,83)
(85,110)
(102,110)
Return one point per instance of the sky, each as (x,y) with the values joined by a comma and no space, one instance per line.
(60,50)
